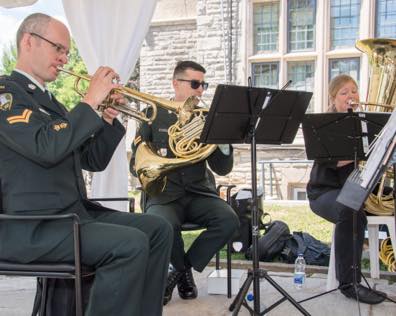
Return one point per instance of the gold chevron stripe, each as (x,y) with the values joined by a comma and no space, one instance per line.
(137,140)
(23,118)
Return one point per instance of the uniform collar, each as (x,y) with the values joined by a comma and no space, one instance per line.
(32,87)
(30,77)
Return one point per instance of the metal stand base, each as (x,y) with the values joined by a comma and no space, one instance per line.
(240,298)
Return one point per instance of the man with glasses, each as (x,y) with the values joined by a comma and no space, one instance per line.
(43,148)
(190,192)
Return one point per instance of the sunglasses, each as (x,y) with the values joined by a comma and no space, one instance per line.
(196,83)
(60,49)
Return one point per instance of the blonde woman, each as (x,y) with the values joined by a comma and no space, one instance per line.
(326,181)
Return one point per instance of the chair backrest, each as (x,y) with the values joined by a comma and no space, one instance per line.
(1,200)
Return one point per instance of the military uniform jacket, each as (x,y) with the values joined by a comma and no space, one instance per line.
(43,149)
(195,178)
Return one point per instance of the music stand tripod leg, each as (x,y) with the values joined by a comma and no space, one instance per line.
(256,273)
(238,301)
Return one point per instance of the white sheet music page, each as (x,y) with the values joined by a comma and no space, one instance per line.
(380,152)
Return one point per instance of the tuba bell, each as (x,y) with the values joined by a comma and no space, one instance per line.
(381,97)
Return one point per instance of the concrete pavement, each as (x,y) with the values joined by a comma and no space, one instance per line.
(17,293)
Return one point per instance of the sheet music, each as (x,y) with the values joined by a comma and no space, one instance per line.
(365,141)
(381,152)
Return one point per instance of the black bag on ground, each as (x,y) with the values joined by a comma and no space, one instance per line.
(272,242)
(242,207)
(61,299)
(314,251)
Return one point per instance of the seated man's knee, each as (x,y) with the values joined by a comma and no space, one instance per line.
(230,223)
(160,225)
(134,244)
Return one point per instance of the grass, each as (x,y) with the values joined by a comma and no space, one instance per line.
(298,218)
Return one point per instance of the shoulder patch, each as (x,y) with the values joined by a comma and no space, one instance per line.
(5,101)
(23,118)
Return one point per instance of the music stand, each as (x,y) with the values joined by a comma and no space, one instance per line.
(342,136)
(255,115)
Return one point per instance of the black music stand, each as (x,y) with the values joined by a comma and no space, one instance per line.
(342,136)
(255,115)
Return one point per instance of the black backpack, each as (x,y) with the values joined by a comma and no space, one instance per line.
(272,242)
(314,251)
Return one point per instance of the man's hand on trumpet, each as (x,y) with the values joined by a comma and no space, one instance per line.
(109,114)
(100,86)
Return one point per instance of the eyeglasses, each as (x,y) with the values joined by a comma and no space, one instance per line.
(60,49)
(196,83)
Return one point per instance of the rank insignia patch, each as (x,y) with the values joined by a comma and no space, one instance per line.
(5,101)
(137,140)
(23,118)
(60,126)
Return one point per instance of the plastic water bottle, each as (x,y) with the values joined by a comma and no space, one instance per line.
(299,272)
(250,301)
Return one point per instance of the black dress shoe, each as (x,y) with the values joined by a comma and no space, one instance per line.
(186,286)
(366,295)
(173,278)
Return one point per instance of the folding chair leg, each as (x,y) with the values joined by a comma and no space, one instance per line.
(44,292)
(229,245)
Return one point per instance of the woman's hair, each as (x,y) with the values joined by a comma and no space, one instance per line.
(335,85)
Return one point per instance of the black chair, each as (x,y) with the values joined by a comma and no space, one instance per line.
(45,270)
(187,226)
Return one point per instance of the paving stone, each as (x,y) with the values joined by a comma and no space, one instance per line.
(17,294)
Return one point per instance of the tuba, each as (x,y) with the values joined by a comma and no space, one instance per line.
(381,97)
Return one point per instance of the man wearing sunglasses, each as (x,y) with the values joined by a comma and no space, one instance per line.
(190,193)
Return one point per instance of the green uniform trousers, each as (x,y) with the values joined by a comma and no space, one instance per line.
(214,214)
(130,253)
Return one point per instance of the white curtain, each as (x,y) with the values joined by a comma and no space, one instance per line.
(110,33)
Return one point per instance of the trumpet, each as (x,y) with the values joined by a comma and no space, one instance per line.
(371,106)
(129,93)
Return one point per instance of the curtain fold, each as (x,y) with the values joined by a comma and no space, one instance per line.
(110,33)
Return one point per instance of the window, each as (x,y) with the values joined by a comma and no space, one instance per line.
(265,74)
(297,191)
(301,25)
(350,66)
(266,26)
(302,74)
(386,19)
(344,22)
(300,194)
